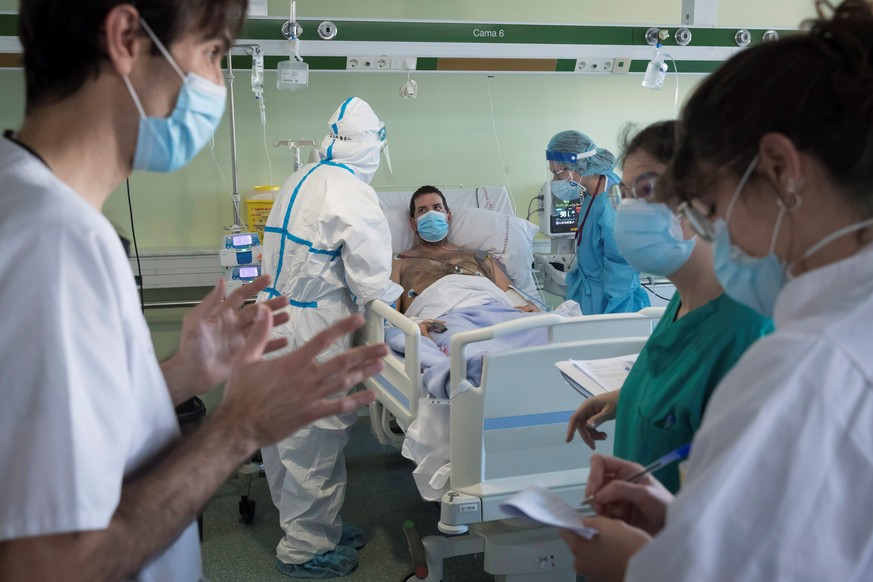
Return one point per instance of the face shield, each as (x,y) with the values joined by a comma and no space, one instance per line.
(563,188)
(564,168)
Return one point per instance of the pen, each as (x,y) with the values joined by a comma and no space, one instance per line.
(679,454)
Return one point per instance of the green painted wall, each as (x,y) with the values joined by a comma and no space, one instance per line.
(446,136)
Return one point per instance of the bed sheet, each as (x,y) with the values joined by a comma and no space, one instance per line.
(427,437)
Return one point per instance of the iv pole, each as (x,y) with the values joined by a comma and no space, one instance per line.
(237,227)
(235,193)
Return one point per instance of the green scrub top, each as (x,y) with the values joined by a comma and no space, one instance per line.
(661,403)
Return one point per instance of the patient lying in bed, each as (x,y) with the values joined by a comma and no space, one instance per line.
(449,290)
(433,259)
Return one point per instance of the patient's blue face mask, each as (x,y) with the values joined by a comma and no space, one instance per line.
(433,226)
(650,237)
(165,144)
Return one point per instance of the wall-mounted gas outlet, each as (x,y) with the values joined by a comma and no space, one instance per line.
(594,65)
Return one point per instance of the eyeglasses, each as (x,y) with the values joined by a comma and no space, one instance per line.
(556,174)
(698,217)
(643,188)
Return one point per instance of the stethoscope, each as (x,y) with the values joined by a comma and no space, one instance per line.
(578,236)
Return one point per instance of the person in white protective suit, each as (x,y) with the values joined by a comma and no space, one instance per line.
(326,245)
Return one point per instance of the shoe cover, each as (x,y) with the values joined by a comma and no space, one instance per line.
(333,564)
(352,537)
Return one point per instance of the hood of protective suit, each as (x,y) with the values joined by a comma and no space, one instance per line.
(355,138)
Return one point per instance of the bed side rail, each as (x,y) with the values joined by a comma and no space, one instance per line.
(403,376)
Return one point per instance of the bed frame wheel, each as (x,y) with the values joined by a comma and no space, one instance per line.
(246,510)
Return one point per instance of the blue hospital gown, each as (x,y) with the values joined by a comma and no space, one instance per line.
(600,280)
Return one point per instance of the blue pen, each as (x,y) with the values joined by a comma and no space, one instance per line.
(679,454)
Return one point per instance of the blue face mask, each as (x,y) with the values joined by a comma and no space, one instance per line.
(650,238)
(433,226)
(165,144)
(757,281)
(753,281)
(565,190)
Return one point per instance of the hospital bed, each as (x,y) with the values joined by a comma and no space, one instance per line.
(504,434)
(507,433)
(485,209)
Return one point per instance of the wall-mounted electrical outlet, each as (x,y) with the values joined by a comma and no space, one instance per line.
(594,65)
(359,63)
(373,63)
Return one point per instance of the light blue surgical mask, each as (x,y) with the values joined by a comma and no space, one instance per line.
(433,226)
(753,281)
(650,238)
(165,144)
(566,190)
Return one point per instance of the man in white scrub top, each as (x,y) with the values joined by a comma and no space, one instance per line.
(96,483)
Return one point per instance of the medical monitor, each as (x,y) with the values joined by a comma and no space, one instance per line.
(558,218)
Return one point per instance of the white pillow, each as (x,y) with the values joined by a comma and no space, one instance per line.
(508,238)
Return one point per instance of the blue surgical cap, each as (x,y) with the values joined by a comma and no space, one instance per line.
(577,151)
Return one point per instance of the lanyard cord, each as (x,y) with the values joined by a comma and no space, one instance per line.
(587,210)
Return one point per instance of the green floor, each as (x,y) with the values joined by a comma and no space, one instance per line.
(381,496)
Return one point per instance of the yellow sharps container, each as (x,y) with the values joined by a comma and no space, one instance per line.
(258,205)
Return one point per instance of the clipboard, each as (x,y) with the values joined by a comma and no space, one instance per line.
(583,375)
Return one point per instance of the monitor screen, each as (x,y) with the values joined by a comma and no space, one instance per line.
(242,240)
(248,272)
(565,216)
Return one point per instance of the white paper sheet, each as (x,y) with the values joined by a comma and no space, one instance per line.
(540,504)
(608,372)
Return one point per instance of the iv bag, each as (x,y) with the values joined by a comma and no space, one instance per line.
(258,73)
(292,75)
(656,72)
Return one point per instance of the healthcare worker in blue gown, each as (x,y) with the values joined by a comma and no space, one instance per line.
(600,280)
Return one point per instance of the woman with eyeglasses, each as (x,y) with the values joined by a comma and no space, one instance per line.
(774,162)
(600,280)
(700,337)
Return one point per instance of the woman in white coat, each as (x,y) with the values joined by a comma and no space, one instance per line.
(778,483)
